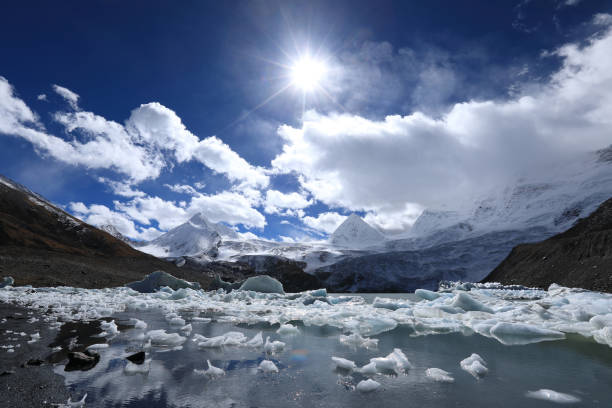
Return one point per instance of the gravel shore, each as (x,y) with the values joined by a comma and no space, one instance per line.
(26,377)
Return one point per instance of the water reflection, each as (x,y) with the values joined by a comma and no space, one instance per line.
(307,376)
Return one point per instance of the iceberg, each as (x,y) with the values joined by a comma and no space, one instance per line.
(163,339)
(263,284)
(288,330)
(158,279)
(7,281)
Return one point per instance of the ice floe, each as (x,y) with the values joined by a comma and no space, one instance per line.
(474,365)
(272,347)
(368,385)
(268,366)
(394,361)
(288,330)
(510,316)
(344,363)
(553,396)
(437,374)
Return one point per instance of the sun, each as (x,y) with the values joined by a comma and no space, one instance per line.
(307,73)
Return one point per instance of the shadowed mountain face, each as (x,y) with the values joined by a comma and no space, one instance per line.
(42,245)
(579,257)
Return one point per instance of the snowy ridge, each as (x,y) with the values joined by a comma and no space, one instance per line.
(196,236)
(355,233)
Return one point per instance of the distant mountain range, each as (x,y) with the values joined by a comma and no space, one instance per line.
(462,244)
(40,244)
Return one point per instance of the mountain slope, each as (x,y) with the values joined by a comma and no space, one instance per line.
(355,233)
(578,257)
(41,245)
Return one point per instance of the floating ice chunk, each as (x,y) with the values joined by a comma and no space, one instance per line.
(231,338)
(76,404)
(344,363)
(268,366)
(263,284)
(519,333)
(273,347)
(368,369)
(553,396)
(256,341)
(138,324)
(368,385)
(132,368)
(10,350)
(161,338)
(158,279)
(603,336)
(187,329)
(201,319)
(34,338)
(474,365)
(426,294)
(355,340)
(468,303)
(213,371)
(177,321)
(392,304)
(601,321)
(288,330)
(438,374)
(395,361)
(109,329)
(98,346)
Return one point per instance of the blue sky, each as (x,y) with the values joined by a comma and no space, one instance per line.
(141,114)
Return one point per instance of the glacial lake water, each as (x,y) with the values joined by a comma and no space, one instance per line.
(307,376)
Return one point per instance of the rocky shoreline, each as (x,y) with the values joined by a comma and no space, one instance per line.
(26,375)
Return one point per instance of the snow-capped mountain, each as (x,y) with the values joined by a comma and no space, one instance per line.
(463,243)
(355,233)
(111,229)
(195,237)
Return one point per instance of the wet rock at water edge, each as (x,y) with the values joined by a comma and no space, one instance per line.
(82,361)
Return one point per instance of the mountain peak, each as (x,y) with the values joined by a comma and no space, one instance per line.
(354,232)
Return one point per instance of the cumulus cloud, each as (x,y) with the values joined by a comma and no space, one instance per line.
(99,215)
(326,222)
(70,97)
(41,97)
(121,188)
(379,166)
(277,201)
(154,124)
(182,189)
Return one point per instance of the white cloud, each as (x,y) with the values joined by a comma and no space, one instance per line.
(277,201)
(99,215)
(121,188)
(379,166)
(157,125)
(70,97)
(182,189)
(229,207)
(41,97)
(326,222)
(602,19)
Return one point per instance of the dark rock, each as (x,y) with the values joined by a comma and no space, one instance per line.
(34,362)
(579,257)
(137,358)
(81,361)
(7,372)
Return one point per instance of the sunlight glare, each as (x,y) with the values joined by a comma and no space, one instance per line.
(307,73)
